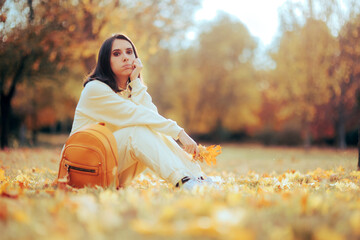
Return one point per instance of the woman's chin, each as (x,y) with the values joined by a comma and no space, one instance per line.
(126,74)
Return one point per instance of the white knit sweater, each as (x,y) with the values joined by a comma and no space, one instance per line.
(99,103)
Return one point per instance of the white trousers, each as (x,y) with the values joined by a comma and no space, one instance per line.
(139,147)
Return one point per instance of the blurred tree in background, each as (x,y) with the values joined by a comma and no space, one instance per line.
(302,63)
(48,46)
(210,84)
(213,85)
(346,71)
(312,76)
(31,48)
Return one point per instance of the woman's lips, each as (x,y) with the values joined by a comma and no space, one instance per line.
(127,66)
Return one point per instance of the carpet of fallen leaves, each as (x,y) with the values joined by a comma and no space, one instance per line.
(293,204)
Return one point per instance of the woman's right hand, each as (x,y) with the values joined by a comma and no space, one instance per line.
(188,143)
(137,67)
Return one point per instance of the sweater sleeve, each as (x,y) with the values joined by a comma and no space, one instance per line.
(140,96)
(98,101)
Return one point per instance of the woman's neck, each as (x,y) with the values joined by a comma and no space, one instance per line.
(122,82)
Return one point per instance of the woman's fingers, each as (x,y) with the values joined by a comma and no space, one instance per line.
(137,63)
(188,148)
(191,148)
(189,145)
(196,151)
(137,66)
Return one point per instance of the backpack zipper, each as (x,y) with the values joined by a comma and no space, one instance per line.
(79,169)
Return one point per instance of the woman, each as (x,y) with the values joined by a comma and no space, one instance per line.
(115,94)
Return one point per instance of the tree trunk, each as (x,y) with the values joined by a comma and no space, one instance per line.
(359,148)
(359,132)
(341,132)
(34,137)
(22,135)
(219,133)
(6,102)
(34,121)
(307,137)
(31,12)
(5,121)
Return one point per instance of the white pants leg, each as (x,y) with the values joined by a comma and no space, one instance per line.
(139,147)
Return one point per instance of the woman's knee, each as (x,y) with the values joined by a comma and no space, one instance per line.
(144,136)
(135,137)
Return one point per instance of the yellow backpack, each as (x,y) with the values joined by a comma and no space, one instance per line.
(89,158)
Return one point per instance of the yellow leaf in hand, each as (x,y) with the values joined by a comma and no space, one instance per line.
(208,154)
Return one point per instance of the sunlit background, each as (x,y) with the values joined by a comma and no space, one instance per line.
(274,72)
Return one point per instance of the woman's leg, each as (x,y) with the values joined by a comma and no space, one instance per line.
(143,147)
(127,175)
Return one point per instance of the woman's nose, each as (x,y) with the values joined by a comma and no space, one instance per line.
(125,59)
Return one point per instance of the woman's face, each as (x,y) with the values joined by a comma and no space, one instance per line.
(122,58)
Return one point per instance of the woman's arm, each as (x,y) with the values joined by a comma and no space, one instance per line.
(140,96)
(100,102)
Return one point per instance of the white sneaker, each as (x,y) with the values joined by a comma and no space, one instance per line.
(189,185)
(214,179)
(212,182)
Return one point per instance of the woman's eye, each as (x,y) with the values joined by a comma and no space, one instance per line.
(129,52)
(116,54)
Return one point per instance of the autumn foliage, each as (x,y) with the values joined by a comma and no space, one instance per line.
(208,154)
(303,88)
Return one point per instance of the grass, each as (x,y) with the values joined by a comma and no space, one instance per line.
(242,158)
(266,193)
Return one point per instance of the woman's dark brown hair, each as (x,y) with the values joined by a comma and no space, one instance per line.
(102,70)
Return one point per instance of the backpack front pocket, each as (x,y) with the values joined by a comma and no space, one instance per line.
(83,155)
(82,169)
(81,175)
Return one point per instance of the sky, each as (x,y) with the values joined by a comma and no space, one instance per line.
(259,16)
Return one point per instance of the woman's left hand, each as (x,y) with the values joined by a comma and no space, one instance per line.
(189,144)
(137,66)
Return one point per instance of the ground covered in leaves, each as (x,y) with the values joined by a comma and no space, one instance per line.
(265,193)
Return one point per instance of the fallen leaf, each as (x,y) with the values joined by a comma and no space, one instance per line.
(208,154)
